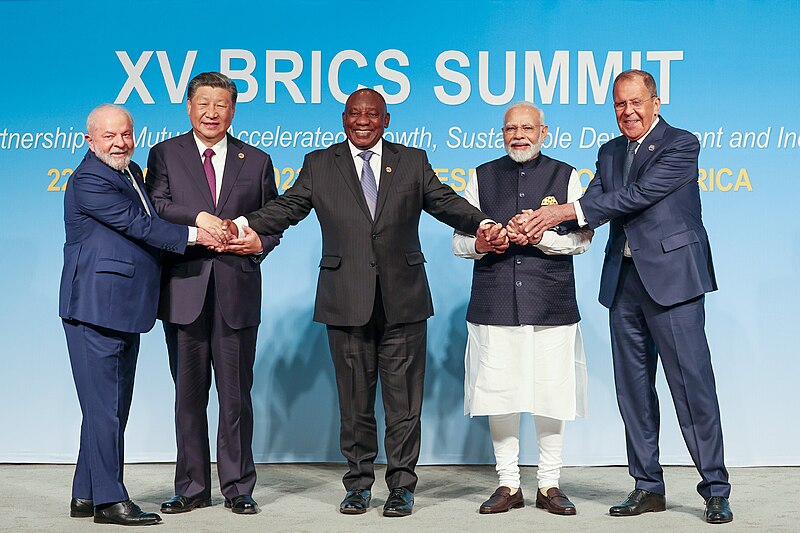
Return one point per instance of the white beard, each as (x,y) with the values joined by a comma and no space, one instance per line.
(521,156)
(116,164)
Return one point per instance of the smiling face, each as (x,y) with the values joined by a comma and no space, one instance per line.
(365,118)
(111,137)
(523,133)
(211,112)
(634,120)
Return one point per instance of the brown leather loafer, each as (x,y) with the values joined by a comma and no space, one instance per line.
(555,502)
(502,500)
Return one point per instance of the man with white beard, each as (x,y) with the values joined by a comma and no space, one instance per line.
(524,349)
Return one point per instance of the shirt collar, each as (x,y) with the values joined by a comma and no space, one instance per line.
(218,148)
(640,140)
(377,149)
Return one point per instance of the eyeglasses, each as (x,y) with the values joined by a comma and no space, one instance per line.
(527,129)
(637,104)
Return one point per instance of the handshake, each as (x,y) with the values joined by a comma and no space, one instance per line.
(524,228)
(223,236)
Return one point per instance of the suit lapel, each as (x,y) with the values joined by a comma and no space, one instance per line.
(389,160)
(650,145)
(619,161)
(234,162)
(347,168)
(194,168)
(137,175)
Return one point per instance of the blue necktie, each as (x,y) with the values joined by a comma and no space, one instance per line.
(626,167)
(368,184)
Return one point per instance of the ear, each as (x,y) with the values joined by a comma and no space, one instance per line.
(386,121)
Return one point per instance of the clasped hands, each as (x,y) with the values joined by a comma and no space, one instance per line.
(223,235)
(524,228)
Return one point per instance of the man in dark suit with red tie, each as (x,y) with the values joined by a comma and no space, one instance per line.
(211,302)
(656,272)
(372,292)
(108,296)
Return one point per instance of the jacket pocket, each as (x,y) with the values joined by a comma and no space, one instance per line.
(330,261)
(407,187)
(415,258)
(115,266)
(674,242)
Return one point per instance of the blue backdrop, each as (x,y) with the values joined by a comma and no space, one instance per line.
(726,70)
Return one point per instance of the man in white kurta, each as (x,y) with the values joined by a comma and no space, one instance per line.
(524,352)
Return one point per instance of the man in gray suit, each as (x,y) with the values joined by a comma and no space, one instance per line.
(372,292)
(211,302)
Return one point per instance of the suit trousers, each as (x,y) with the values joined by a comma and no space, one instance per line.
(395,353)
(641,331)
(103,367)
(194,350)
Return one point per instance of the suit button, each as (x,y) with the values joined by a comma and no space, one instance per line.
(373,263)
(518,284)
(374,236)
(522,195)
(519,261)
(522,173)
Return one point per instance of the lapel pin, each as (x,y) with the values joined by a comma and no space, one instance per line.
(241,155)
(651,148)
(389,169)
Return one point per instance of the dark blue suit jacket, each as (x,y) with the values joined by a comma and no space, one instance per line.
(112,254)
(658,212)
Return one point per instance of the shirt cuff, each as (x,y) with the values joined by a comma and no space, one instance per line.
(240,222)
(579,213)
(192,235)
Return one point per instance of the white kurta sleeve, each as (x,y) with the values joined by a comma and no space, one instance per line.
(464,244)
(575,242)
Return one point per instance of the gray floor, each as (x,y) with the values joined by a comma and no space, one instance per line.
(305,497)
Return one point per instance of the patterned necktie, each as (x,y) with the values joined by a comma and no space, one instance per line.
(626,167)
(132,181)
(368,184)
(211,176)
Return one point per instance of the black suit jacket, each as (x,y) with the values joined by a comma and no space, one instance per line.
(178,189)
(357,252)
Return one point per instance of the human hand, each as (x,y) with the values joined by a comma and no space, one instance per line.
(515,230)
(231,229)
(545,218)
(208,240)
(491,237)
(211,224)
(249,244)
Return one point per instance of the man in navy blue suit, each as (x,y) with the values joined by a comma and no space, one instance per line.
(656,272)
(109,295)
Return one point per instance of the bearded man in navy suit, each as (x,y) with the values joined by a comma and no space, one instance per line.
(108,296)
(656,272)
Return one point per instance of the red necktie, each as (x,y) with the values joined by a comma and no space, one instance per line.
(211,176)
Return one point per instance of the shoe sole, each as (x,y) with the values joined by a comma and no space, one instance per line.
(348,510)
(484,510)
(395,513)
(179,510)
(82,514)
(568,512)
(103,520)
(653,510)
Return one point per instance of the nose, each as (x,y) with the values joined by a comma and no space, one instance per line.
(118,140)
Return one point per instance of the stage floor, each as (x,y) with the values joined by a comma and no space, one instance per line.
(305,497)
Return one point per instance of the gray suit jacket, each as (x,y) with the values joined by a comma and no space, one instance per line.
(357,252)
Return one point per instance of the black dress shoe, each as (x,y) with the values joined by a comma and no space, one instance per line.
(718,510)
(182,504)
(356,501)
(124,513)
(502,500)
(399,503)
(640,501)
(242,504)
(81,508)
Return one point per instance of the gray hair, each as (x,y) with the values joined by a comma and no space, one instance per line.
(646,77)
(526,105)
(215,80)
(91,120)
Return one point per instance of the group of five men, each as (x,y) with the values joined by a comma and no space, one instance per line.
(186,245)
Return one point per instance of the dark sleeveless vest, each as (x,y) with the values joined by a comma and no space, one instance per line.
(522,285)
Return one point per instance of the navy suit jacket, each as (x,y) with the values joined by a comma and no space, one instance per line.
(176,183)
(112,254)
(658,212)
(359,253)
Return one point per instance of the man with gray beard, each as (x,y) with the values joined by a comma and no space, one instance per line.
(524,350)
